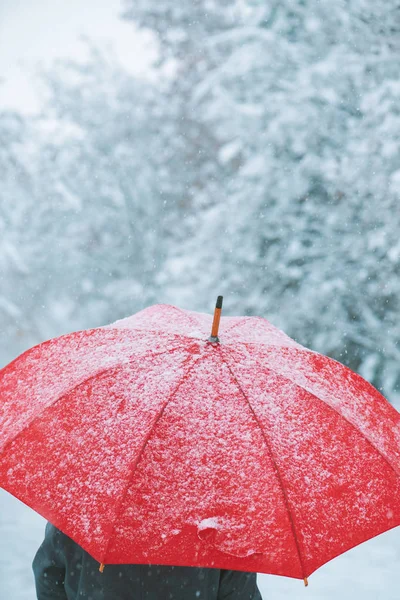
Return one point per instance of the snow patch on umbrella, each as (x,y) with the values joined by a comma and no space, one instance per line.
(209,523)
(224,542)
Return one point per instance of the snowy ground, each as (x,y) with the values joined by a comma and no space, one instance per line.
(369,572)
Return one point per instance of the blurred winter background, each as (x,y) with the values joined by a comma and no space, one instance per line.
(172,150)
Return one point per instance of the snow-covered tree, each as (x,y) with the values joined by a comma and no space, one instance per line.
(297,220)
(101,178)
(18,226)
(260,162)
(81,208)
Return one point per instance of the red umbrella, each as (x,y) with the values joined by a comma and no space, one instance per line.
(146,441)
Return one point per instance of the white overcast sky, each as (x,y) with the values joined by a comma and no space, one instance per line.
(36,32)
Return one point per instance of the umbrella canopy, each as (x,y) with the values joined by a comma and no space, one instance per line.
(146,442)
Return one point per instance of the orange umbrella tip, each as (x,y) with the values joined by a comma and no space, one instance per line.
(217,315)
(305,581)
(101,567)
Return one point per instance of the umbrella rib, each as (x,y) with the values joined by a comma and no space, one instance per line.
(143,446)
(85,380)
(278,475)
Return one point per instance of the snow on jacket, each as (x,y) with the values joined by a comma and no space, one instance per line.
(64,571)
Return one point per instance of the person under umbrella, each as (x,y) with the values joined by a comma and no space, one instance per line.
(64,571)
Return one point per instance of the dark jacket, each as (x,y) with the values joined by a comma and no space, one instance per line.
(64,571)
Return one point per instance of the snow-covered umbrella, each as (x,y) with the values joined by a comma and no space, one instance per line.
(150,441)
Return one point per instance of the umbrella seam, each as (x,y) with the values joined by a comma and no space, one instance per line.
(295,345)
(180,310)
(46,343)
(363,435)
(183,312)
(246,318)
(144,330)
(144,444)
(236,324)
(83,381)
(286,500)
